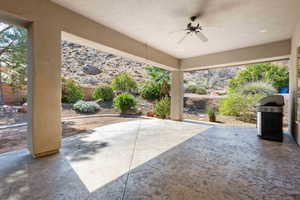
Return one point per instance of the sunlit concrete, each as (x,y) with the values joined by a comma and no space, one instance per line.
(93,159)
(113,150)
(157,159)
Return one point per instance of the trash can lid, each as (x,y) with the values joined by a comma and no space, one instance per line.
(273,100)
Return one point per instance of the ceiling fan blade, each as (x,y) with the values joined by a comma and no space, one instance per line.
(183,38)
(203,7)
(201,36)
(176,31)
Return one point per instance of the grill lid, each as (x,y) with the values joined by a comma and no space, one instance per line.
(273,100)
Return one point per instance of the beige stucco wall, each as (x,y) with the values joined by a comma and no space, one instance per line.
(294,126)
(177,95)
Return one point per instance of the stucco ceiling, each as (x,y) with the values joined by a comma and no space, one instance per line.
(230,24)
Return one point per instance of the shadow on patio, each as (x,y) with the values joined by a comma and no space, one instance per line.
(157,159)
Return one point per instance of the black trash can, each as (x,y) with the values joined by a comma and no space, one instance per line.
(269,118)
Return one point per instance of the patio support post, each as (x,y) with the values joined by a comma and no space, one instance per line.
(177,95)
(44,89)
(293,124)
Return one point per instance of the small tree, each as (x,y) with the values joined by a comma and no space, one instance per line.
(123,83)
(13,55)
(277,75)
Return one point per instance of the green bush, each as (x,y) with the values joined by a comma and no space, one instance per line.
(123,83)
(86,106)
(71,91)
(191,88)
(150,90)
(274,74)
(258,87)
(195,89)
(158,84)
(125,102)
(240,105)
(163,107)
(104,92)
(157,74)
(201,91)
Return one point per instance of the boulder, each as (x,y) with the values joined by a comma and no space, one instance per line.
(91,70)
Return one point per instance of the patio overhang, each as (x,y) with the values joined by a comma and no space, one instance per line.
(46,21)
(255,54)
(46,12)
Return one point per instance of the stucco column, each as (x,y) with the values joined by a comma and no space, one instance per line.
(44,89)
(176,95)
(293,93)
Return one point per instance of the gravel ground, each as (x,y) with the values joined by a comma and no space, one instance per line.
(12,139)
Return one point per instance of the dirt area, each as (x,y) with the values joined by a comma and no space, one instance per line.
(228,120)
(73,122)
(12,139)
(12,116)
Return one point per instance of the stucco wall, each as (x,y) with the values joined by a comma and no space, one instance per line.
(294,126)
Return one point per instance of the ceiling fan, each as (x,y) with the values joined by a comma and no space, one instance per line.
(193,28)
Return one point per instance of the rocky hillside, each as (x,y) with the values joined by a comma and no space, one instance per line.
(214,78)
(92,67)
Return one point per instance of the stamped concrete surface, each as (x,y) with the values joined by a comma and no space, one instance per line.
(157,159)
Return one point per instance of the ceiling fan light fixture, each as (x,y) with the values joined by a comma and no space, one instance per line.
(263,30)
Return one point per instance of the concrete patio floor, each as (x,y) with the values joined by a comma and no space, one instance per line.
(157,159)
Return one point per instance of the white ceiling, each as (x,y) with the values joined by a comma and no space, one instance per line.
(231,23)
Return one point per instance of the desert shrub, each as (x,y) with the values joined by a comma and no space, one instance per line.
(163,107)
(211,111)
(71,91)
(125,102)
(274,74)
(86,106)
(195,89)
(158,85)
(123,83)
(201,90)
(104,92)
(258,87)
(150,90)
(240,105)
(191,89)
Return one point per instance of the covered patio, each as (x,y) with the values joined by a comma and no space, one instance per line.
(157,159)
(151,158)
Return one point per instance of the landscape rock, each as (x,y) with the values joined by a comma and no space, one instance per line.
(91,70)
(93,67)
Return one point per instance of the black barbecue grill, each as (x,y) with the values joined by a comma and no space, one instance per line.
(269,117)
